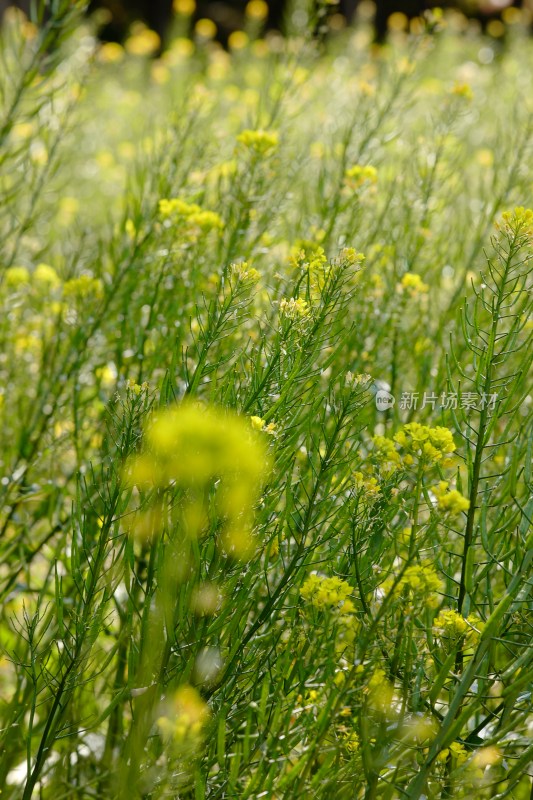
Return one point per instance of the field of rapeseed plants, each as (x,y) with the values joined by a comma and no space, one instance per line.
(265,413)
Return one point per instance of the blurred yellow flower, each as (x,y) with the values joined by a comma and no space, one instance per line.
(256,10)
(205,29)
(17,276)
(142,42)
(186,716)
(46,276)
(260,142)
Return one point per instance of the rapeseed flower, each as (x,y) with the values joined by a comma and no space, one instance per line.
(186,716)
(244,273)
(457,750)
(359,176)
(294,308)
(83,287)
(519,220)
(419,583)
(17,276)
(428,444)
(452,629)
(260,142)
(190,215)
(194,446)
(46,276)
(379,691)
(450,501)
(414,284)
(325,593)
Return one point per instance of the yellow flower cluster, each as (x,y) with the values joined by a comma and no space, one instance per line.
(368,484)
(256,10)
(142,42)
(332,594)
(386,454)
(457,750)
(347,626)
(414,284)
(186,717)
(350,741)
(350,257)
(379,690)
(259,142)
(359,175)
(83,287)
(137,388)
(419,582)
(294,308)
(191,214)
(452,628)
(16,277)
(43,277)
(323,593)
(309,256)
(259,424)
(463,90)
(429,445)
(519,220)
(244,273)
(192,446)
(450,501)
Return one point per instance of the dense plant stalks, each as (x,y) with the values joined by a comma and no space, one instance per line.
(266,423)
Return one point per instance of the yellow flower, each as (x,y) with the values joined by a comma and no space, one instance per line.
(452,502)
(143,42)
(245,273)
(193,446)
(453,629)
(17,276)
(256,10)
(189,214)
(83,287)
(257,423)
(457,750)
(414,284)
(46,276)
(186,717)
(428,444)
(184,7)
(519,221)
(294,308)
(369,485)
(323,593)
(486,756)
(260,142)
(463,90)
(386,454)
(351,742)
(238,40)
(350,256)
(136,388)
(380,691)
(205,28)
(358,176)
(419,582)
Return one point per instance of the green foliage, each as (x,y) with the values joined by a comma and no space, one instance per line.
(226,570)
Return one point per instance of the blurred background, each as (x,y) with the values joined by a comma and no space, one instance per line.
(219,19)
